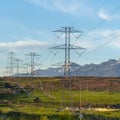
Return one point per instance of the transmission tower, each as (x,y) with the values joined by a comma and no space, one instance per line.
(10,67)
(17,66)
(67,47)
(32,63)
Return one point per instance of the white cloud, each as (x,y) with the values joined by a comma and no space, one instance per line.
(85,44)
(116,43)
(42,3)
(73,7)
(100,39)
(103,15)
(104,38)
(23,44)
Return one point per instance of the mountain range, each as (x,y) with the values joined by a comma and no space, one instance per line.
(110,68)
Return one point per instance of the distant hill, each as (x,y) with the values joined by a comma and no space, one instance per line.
(110,68)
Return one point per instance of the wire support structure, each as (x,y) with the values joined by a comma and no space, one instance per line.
(32,63)
(67,47)
(10,64)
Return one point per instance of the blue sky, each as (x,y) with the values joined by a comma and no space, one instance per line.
(27,25)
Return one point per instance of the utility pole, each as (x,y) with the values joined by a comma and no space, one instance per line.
(67,47)
(32,63)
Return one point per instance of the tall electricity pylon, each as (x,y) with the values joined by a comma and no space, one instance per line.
(17,66)
(10,67)
(67,47)
(32,63)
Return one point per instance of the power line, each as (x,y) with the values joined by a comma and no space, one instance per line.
(101,46)
(102,21)
(95,27)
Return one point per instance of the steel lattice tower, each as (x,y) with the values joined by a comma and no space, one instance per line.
(67,47)
(17,61)
(68,31)
(11,57)
(32,62)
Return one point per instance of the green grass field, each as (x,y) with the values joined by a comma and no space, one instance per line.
(51,102)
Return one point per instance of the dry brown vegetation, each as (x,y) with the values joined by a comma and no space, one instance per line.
(55,83)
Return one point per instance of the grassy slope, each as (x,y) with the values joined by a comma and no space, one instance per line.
(52,98)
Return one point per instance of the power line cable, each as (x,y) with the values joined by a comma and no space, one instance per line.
(101,46)
(95,27)
(102,21)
